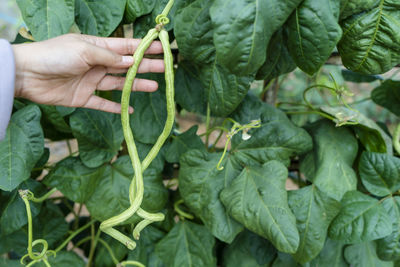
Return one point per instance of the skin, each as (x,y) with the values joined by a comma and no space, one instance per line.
(68,69)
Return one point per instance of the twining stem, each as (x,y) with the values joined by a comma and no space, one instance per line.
(42,198)
(396,139)
(182,214)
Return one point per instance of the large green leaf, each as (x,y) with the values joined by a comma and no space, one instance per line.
(187,244)
(370,134)
(47,18)
(314,212)
(99,17)
(13,215)
(352,7)
(380,173)
(21,148)
(57,118)
(277,139)
(111,195)
(99,135)
(371,40)
(361,219)
(200,184)
(335,150)
(76,181)
(313,32)
(278,60)
(137,8)
(364,254)
(194,33)
(249,249)
(257,198)
(331,255)
(243,29)
(387,95)
(388,248)
(184,142)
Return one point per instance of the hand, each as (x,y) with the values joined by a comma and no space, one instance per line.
(66,70)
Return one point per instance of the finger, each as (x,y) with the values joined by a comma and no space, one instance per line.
(98,103)
(147,65)
(117,83)
(95,55)
(123,46)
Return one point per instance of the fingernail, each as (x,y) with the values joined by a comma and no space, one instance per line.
(127,59)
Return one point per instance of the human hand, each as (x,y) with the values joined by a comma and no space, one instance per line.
(66,70)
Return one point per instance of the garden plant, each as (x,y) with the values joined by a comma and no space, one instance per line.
(292,158)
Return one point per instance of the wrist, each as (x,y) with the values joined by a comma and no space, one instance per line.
(19,69)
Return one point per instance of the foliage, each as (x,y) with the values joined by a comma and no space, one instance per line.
(222,207)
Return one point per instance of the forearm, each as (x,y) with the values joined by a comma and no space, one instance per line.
(7,84)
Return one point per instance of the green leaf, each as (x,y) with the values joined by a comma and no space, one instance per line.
(277,139)
(364,254)
(103,258)
(193,32)
(138,8)
(187,244)
(243,29)
(352,7)
(335,150)
(76,181)
(145,246)
(99,135)
(184,142)
(200,184)
(52,114)
(361,219)
(99,17)
(313,32)
(13,215)
(278,60)
(189,91)
(284,260)
(380,173)
(371,40)
(314,212)
(111,195)
(370,134)
(10,263)
(64,259)
(331,255)
(47,18)
(387,95)
(355,77)
(248,249)
(388,248)
(257,198)
(21,148)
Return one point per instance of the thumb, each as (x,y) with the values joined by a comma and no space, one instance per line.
(95,55)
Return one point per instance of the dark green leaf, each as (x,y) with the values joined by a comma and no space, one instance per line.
(387,95)
(47,18)
(313,32)
(314,212)
(76,181)
(361,219)
(380,173)
(243,29)
(137,8)
(13,216)
(364,254)
(277,139)
(98,17)
(52,114)
(257,198)
(352,7)
(355,77)
(331,255)
(335,150)
(200,184)
(284,260)
(99,135)
(193,32)
(278,60)
(371,40)
(370,134)
(187,244)
(21,148)
(64,259)
(388,248)
(184,142)
(249,249)
(10,263)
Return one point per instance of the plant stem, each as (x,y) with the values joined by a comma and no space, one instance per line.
(75,233)
(182,214)
(93,246)
(44,197)
(396,139)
